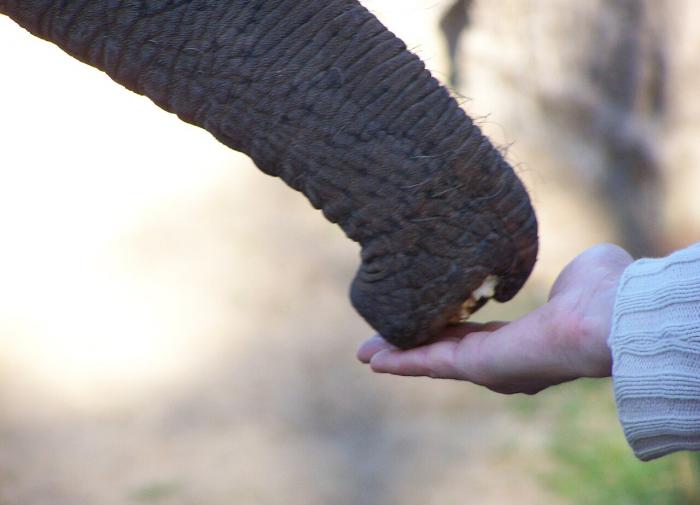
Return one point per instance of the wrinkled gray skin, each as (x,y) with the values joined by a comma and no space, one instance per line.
(321,94)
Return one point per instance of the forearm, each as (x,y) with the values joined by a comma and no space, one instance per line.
(655,341)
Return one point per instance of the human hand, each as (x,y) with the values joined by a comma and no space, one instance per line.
(563,340)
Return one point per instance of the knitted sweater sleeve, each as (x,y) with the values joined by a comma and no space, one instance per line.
(655,343)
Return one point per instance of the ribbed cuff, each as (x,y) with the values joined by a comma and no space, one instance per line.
(655,343)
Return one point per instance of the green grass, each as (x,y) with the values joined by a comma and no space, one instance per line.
(592,463)
(155,492)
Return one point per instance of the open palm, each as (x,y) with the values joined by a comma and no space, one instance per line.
(560,341)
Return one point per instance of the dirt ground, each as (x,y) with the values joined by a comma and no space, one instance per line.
(261,401)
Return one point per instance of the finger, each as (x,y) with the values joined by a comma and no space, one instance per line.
(595,261)
(372,346)
(460,330)
(435,360)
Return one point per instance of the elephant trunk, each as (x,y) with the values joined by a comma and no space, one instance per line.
(321,94)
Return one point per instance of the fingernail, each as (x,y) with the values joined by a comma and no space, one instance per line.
(376,362)
(370,347)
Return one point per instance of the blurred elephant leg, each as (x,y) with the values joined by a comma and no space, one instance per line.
(454,22)
(630,75)
(615,104)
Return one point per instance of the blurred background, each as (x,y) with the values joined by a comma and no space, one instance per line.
(175,328)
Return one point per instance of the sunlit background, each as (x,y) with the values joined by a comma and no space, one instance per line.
(175,328)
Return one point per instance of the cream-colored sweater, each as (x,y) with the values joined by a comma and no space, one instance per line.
(655,342)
